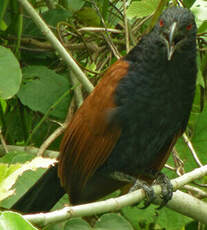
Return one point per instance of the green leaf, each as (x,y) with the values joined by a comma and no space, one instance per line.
(10,173)
(51,17)
(74,5)
(144,218)
(188,3)
(42,88)
(15,157)
(22,185)
(199,138)
(88,16)
(142,8)
(77,224)
(14,221)
(172,220)
(203,27)
(199,9)
(139,217)
(113,221)
(10,73)
(3,25)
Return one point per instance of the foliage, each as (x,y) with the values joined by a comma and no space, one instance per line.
(14,221)
(36,91)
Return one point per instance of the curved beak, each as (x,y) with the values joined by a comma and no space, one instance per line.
(170,41)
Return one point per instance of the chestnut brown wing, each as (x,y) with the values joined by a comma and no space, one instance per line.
(90,138)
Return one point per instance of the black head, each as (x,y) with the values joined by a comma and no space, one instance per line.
(177,29)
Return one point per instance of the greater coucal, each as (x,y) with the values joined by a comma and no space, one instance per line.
(130,122)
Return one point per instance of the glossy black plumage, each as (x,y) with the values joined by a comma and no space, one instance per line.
(134,116)
(154,99)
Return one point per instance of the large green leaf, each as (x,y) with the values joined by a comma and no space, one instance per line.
(200,135)
(73,5)
(14,221)
(172,220)
(188,3)
(142,8)
(77,224)
(10,74)
(51,17)
(113,221)
(42,88)
(144,218)
(199,9)
(10,173)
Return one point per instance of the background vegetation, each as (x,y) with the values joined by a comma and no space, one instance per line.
(37,90)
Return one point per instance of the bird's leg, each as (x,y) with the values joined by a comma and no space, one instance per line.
(138,184)
(167,188)
(150,195)
(159,178)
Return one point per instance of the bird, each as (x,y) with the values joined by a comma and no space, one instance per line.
(130,122)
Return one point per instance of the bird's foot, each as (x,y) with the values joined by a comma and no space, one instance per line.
(167,188)
(150,195)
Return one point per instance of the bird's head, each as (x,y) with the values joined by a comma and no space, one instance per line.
(176,27)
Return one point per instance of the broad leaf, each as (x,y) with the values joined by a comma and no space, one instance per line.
(42,88)
(14,221)
(10,74)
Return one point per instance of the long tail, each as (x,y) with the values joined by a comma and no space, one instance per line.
(43,195)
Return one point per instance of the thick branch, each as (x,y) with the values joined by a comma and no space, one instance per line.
(181,202)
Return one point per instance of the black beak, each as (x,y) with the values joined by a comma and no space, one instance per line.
(169,40)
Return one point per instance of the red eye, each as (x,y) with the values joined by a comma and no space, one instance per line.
(161,23)
(189,27)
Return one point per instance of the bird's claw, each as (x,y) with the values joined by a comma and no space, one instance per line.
(167,189)
(150,195)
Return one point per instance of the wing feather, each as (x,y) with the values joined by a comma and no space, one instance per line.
(89,139)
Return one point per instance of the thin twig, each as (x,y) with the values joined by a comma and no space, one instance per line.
(170,167)
(126,27)
(77,90)
(58,131)
(179,164)
(202,194)
(106,34)
(192,150)
(50,139)
(3,142)
(99,29)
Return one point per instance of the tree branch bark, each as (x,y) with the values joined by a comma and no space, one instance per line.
(181,202)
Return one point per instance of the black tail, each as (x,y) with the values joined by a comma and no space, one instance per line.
(43,195)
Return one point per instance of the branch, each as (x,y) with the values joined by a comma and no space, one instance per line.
(3,142)
(51,138)
(57,45)
(58,131)
(190,146)
(181,202)
(126,27)
(77,90)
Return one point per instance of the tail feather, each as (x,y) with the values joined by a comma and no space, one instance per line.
(43,195)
